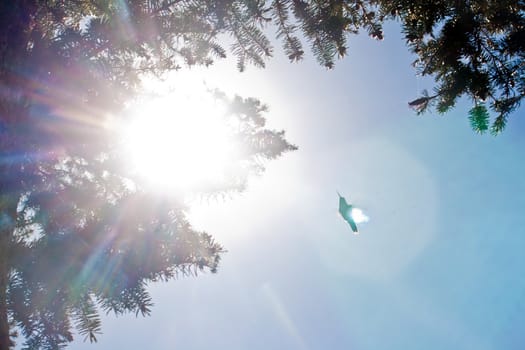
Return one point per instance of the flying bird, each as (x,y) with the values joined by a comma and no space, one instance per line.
(420,104)
(345,210)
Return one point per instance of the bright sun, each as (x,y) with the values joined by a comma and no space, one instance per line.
(180,141)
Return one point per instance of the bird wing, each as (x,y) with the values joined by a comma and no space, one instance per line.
(343,205)
(352,224)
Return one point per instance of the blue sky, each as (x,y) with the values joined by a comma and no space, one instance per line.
(439,265)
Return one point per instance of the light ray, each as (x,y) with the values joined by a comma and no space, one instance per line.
(282,315)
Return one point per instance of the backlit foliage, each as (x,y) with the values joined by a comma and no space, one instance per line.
(471,48)
(78,234)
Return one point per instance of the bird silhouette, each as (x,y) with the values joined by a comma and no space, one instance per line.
(345,210)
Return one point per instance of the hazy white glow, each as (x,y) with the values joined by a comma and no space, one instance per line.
(358,216)
(179,142)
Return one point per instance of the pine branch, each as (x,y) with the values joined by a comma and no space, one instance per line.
(292,45)
(479,118)
(87,319)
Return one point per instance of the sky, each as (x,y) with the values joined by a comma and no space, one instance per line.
(438,266)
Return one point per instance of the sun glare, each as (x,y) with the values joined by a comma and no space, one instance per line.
(180,141)
(358,216)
